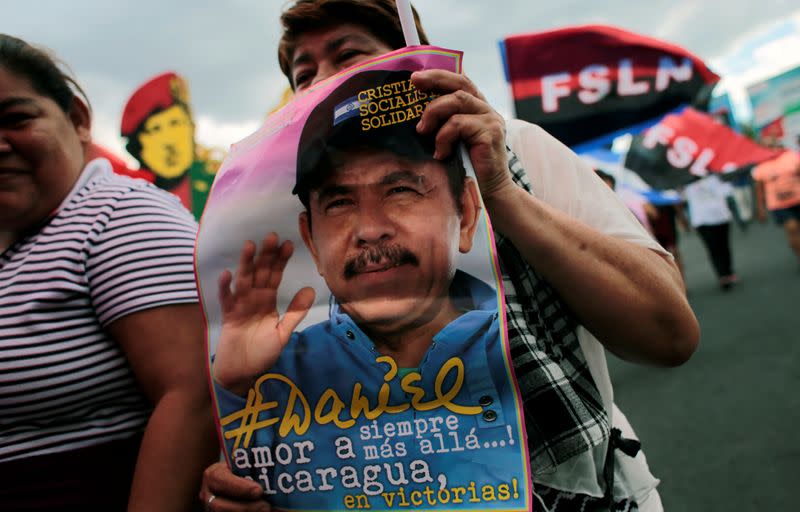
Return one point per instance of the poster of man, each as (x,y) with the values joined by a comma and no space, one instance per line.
(160,131)
(360,356)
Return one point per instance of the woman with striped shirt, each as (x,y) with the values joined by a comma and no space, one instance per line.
(102,390)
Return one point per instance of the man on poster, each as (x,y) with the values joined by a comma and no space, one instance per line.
(412,343)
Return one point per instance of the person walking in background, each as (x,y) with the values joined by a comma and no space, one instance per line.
(105,404)
(742,201)
(665,230)
(711,217)
(778,190)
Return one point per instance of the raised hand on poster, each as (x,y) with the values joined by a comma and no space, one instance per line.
(253,332)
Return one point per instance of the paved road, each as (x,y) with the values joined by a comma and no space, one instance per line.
(723,431)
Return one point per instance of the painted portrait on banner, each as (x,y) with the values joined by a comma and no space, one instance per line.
(158,126)
(356,329)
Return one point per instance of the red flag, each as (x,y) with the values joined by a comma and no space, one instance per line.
(579,83)
(773,130)
(688,146)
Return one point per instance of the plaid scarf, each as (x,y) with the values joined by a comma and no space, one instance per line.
(562,407)
(564,413)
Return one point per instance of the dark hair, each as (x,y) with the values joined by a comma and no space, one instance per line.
(44,71)
(378,17)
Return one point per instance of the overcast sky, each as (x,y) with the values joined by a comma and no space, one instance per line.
(227,50)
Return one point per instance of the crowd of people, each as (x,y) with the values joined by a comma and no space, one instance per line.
(709,206)
(105,391)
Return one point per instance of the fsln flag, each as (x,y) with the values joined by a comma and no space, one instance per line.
(580,83)
(688,146)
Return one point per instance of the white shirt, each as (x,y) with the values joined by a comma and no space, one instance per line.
(561,179)
(707,201)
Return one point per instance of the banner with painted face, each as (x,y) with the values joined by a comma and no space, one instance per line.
(686,147)
(580,83)
(159,128)
(355,319)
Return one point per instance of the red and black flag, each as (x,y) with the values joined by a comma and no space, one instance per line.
(580,83)
(687,146)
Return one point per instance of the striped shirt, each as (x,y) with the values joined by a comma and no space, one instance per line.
(114,247)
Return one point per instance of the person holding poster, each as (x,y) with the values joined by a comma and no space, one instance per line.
(578,271)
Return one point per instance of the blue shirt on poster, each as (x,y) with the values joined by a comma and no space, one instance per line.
(410,450)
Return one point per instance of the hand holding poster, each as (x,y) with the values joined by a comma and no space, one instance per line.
(361,358)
